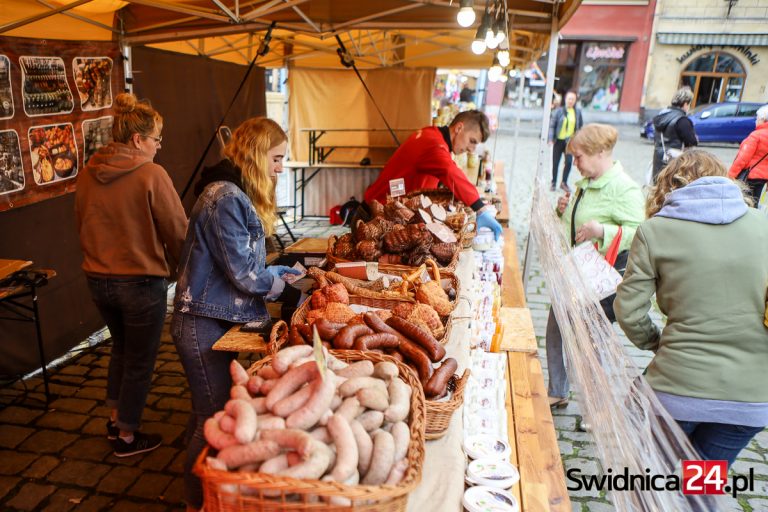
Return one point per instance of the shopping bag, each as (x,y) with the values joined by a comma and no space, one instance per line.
(596,271)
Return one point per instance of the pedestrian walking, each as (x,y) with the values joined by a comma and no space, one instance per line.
(752,156)
(673,130)
(565,121)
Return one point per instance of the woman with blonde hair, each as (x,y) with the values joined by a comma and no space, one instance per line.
(131,225)
(702,252)
(606,209)
(223,277)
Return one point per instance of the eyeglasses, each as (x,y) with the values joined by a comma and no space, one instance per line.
(156,139)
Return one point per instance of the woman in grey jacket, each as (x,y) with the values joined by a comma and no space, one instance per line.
(702,251)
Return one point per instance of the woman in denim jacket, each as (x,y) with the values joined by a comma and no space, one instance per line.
(223,277)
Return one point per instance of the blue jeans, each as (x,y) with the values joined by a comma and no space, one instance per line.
(207,371)
(718,441)
(559,386)
(134,310)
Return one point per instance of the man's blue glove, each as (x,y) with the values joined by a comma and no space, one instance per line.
(280,270)
(487,220)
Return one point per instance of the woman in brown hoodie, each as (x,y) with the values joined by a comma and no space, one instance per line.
(132,226)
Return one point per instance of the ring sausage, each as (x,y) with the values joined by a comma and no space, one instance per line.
(347,335)
(418,358)
(437,384)
(377,340)
(327,329)
(419,335)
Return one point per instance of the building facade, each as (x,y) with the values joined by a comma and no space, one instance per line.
(717,47)
(603,52)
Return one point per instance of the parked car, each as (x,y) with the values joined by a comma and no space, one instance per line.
(718,122)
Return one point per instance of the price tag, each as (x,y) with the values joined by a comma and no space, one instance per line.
(397,187)
(317,345)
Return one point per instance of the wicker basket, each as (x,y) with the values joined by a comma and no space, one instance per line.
(241,492)
(390,268)
(439,413)
(441,196)
(300,315)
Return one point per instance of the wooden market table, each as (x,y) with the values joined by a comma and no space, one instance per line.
(24,283)
(532,435)
(305,172)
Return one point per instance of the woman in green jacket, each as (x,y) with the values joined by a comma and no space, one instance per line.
(605,200)
(702,251)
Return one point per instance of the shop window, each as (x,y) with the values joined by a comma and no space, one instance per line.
(714,78)
(601,75)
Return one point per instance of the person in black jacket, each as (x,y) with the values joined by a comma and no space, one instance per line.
(673,124)
(565,121)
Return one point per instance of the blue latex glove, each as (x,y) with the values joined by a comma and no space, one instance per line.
(487,220)
(280,270)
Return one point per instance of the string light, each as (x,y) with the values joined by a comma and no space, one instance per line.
(466,15)
(479,44)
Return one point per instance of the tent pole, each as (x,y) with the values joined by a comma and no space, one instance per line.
(544,161)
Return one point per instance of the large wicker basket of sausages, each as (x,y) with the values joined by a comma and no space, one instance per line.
(410,340)
(343,450)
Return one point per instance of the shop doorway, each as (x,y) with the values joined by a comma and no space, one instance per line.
(714,78)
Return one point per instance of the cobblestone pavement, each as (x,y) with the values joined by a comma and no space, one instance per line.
(577,448)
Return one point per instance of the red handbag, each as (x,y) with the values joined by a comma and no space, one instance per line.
(613,249)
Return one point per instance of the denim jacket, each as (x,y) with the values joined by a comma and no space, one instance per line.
(222,273)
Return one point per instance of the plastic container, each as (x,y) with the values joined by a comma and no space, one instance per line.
(493,473)
(489,499)
(480,446)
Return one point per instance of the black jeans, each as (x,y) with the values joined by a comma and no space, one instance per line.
(134,310)
(558,148)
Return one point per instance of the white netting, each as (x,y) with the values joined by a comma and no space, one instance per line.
(630,427)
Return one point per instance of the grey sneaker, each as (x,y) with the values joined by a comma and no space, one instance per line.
(141,443)
(113,432)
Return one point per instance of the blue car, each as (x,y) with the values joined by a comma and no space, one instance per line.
(718,122)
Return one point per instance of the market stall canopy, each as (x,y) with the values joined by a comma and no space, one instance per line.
(380,33)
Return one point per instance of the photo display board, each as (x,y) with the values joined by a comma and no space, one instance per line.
(55,112)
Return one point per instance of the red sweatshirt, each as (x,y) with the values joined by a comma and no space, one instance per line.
(424,160)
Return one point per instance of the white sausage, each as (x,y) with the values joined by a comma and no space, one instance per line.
(315,466)
(402,437)
(381,460)
(238,373)
(309,414)
(236,456)
(215,436)
(291,381)
(371,420)
(270,422)
(346,448)
(287,356)
(373,398)
(359,369)
(353,385)
(287,405)
(385,370)
(364,446)
(399,401)
(245,419)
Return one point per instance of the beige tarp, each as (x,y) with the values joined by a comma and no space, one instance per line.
(335,99)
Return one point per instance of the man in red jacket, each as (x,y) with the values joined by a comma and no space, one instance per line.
(424,160)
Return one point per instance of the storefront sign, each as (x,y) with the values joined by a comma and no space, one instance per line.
(744,50)
(610,52)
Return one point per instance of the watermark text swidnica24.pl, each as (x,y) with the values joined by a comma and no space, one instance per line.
(699,477)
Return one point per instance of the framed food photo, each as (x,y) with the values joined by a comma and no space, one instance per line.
(57,107)
(11,163)
(53,151)
(93,79)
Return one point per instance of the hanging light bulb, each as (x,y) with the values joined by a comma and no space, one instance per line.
(478,45)
(494,73)
(466,14)
(504,58)
(490,38)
